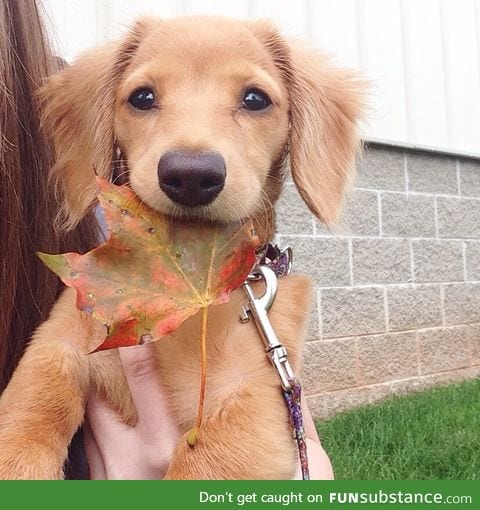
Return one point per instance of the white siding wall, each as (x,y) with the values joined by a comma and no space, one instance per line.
(422,57)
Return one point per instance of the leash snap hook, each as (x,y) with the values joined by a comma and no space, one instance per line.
(258,308)
(278,357)
(267,275)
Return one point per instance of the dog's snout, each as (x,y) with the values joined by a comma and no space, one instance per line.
(191,179)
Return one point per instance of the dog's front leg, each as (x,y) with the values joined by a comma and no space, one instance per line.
(43,405)
(40,410)
(249,437)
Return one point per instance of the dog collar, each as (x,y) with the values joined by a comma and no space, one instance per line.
(273,263)
(280,261)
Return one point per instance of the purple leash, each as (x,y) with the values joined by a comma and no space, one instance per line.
(293,398)
(272,263)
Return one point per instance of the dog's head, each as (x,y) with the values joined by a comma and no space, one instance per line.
(203,113)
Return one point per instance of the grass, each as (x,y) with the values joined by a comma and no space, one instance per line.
(430,435)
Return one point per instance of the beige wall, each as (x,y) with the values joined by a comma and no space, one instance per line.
(398,281)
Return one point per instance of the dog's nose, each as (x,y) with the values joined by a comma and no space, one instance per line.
(191,179)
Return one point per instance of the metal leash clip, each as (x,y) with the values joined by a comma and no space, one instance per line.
(258,308)
(275,263)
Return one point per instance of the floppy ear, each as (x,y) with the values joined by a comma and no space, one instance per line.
(78,113)
(326,104)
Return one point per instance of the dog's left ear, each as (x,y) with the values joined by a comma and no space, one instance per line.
(326,104)
(78,114)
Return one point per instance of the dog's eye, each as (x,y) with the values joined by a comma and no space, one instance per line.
(142,99)
(255,99)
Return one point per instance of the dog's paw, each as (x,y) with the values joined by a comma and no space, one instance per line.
(29,462)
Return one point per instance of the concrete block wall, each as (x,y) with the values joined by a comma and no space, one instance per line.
(397,280)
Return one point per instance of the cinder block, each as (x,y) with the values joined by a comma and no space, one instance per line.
(338,229)
(458,217)
(432,174)
(425,382)
(411,384)
(408,215)
(474,337)
(438,261)
(443,349)
(359,217)
(361,213)
(381,169)
(354,311)
(455,376)
(293,216)
(470,178)
(313,331)
(473,260)
(377,261)
(326,405)
(329,365)
(387,357)
(462,303)
(414,307)
(324,259)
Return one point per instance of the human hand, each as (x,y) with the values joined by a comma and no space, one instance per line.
(116,451)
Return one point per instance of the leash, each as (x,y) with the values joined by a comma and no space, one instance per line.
(272,263)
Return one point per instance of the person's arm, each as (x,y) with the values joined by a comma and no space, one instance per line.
(117,451)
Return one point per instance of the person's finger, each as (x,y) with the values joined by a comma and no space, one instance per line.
(140,367)
(319,462)
(105,424)
(96,465)
(308,423)
(319,465)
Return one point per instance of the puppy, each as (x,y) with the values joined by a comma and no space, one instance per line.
(202,115)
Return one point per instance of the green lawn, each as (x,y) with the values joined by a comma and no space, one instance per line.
(430,435)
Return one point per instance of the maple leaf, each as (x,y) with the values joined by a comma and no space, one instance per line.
(153,272)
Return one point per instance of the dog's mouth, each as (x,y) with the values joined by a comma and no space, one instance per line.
(200,214)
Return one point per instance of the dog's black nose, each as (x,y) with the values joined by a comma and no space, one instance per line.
(191,179)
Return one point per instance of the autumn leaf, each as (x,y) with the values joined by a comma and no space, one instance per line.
(153,272)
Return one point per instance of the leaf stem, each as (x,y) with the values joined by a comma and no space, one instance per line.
(192,437)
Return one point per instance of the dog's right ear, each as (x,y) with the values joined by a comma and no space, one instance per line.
(326,105)
(78,111)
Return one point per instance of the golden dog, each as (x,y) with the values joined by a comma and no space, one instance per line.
(203,116)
